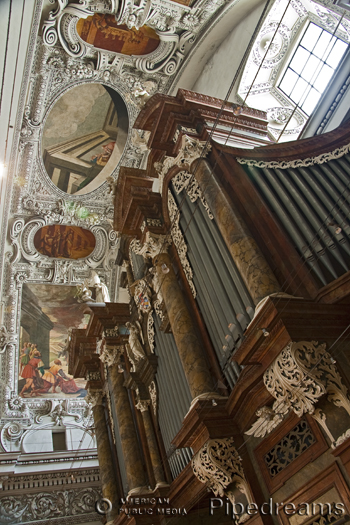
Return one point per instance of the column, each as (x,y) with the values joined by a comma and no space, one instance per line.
(183,327)
(245,252)
(108,481)
(152,443)
(132,457)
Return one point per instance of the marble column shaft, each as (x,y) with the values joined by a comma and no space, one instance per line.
(245,252)
(108,480)
(129,273)
(132,457)
(189,346)
(153,447)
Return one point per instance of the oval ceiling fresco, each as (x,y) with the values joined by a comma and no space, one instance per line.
(64,242)
(84,137)
(103,32)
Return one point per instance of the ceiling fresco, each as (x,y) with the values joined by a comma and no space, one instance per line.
(67,242)
(84,137)
(103,32)
(47,314)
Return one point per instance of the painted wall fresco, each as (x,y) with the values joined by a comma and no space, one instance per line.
(84,137)
(67,242)
(48,311)
(103,32)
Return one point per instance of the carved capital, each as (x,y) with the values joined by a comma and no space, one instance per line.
(94,397)
(218,465)
(154,245)
(143,405)
(191,149)
(111,354)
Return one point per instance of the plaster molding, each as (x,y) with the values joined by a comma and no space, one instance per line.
(49,505)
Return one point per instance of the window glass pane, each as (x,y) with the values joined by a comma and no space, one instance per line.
(321,46)
(311,67)
(299,60)
(311,101)
(336,54)
(311,36)
(288,81)
(299,90)
(323,78)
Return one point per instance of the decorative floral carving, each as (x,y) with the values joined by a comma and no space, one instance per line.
(218,465)
(16,403)
(179,241)
(112,332)
(44,505)
(143,405)
(111,354)
(185,181)
(191,149)
(94,397)
(302,373)
(153,395)
(289,448)
(93,375)
(150,331)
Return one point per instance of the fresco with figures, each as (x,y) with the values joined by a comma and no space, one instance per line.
(103,32)
(47,313)
(84,137)
(67,242)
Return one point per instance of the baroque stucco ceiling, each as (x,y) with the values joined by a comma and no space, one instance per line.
(59,61)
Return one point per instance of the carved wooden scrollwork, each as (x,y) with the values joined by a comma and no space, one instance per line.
(302,373)
(218,465)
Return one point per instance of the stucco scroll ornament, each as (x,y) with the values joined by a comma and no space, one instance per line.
(218,465)
(4,338)
(169,54)
(60,24)
(302,373)
(191,149)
